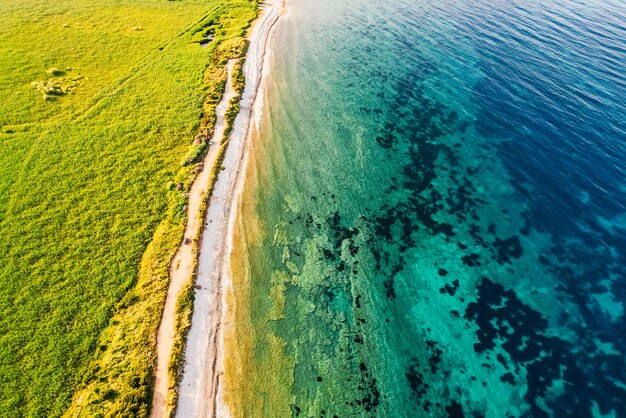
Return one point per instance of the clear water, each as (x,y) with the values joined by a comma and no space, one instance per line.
(441,194)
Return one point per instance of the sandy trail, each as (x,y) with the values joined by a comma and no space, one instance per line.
(199,390)
(182,264)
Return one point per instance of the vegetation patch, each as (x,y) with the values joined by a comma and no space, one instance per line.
(59,83)
(93,192)
(239,77)
(239,82)
(231,114)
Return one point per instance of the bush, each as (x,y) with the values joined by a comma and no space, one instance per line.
(55,72)
(195,154)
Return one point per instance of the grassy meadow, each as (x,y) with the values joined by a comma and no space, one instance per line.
(101,100)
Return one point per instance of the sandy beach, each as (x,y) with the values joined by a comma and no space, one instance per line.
(199,391)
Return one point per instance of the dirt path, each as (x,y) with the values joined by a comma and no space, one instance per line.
(181,268)
(199,391)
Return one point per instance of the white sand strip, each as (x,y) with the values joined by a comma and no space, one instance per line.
(199,388)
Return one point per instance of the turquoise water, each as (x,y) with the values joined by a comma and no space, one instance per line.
(442,194)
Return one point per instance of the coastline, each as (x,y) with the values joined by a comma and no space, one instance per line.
(184,262)
(199,389)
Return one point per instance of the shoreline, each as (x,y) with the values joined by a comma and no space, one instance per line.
(183,264)
(199,391)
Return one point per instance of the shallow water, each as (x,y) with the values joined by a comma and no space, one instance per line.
(441,195)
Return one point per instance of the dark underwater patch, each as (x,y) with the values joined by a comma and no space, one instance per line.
(416,381)
(508,249)
(505,322)
(455,410)
(450,289)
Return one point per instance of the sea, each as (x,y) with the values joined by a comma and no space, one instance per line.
(438,205)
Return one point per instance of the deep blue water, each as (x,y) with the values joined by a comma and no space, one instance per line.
(443,187)
(554,87)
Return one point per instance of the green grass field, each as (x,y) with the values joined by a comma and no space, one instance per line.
(101,100)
